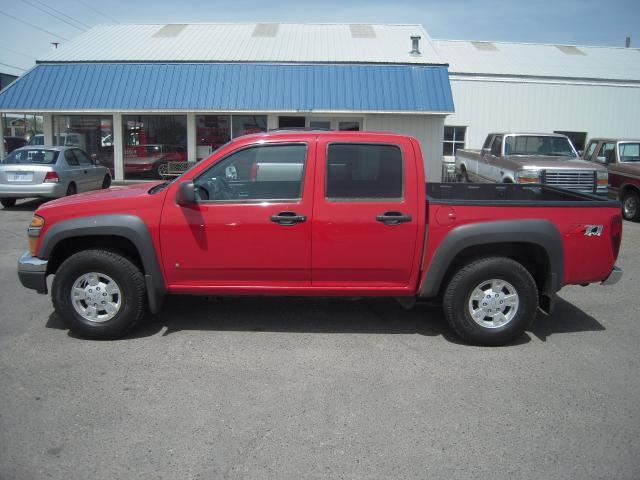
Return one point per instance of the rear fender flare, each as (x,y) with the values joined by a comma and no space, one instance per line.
(542,233)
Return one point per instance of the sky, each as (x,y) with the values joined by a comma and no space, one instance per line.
(573,22)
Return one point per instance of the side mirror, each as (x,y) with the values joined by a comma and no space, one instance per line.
(186,194)
(485,151)
(581,153)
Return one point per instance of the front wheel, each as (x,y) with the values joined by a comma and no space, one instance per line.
(631,206)
(491,301)
(99,294)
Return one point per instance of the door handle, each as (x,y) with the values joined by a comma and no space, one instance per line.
(288,218)
(393,218)
(86,171)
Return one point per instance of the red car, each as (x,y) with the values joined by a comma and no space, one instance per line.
(321,214)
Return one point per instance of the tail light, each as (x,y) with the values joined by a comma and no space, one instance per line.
(616,234)
(51,177)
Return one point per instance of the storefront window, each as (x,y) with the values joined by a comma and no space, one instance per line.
(246,124)
(91,133)
(212,131)
(18,129)
(155,146)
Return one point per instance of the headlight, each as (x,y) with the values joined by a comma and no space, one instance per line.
(34,230)
(602,178)
(528,176)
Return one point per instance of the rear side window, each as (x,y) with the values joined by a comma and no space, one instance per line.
(31,156)
(364,171)
(70,158)
(82,157)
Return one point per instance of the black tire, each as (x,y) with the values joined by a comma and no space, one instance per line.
(106,182)
(456,301)
(126,275)
(8,202)
(160,169)
(631,206)
(462,177)
(71,189)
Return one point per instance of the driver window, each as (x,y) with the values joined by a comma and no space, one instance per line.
(266,172)
(604,151)
(497,146)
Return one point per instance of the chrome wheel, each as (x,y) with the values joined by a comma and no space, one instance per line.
(630,206)
(96,297)
(493,303)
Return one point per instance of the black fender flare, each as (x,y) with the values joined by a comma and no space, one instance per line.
(127,226)
(539,232)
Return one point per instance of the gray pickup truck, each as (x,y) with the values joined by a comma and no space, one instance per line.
(531,158)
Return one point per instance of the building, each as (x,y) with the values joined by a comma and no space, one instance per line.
(583,92)
(6,79)
(147,99)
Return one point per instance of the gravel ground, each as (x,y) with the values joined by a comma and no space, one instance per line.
(282,388)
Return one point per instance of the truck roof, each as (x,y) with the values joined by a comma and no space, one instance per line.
(320,133)
(533,134)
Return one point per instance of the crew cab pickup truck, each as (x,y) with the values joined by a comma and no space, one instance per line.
(622,159)
(531,158)
(344,214)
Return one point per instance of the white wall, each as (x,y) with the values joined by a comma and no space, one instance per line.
(428,129)
(486,106)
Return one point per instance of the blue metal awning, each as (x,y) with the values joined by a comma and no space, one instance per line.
(230,87)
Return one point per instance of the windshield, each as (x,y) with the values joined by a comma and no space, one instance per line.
(538,145)
(629,152)
(37,140)
(31,156)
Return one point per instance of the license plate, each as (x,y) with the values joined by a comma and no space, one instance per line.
(19,177)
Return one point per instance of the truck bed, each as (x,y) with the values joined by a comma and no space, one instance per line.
(496,194)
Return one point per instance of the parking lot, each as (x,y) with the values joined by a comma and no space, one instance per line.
(320,388)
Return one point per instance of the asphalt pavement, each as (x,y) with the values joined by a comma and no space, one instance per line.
(320,388)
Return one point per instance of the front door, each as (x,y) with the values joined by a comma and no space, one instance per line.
(365,221)
(251,226)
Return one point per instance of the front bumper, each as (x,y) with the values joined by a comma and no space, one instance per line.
(32,272)
(614,277)
(49,190)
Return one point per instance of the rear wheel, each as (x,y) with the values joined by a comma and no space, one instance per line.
(462,177)
(106,183)
(161,169)
(99,294)
(71,189)
(8,202)
(631,205)
(491,301)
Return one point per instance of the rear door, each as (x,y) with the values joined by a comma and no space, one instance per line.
(365,221)
(89,172)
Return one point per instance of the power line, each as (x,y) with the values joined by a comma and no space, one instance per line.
(91,7)
(16,52)
(52,15)
(13,66)
(63,14)
(32,25)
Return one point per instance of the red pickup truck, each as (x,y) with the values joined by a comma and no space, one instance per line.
(321,214)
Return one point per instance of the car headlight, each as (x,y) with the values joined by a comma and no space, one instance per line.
(528,176)
(34,231)
(602,178)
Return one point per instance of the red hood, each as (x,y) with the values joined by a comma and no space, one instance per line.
(121,199)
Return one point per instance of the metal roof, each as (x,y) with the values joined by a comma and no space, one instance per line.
(540,60)
(230,87)
(248,42)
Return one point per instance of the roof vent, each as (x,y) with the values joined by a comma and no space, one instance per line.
(415,45)
(485,46)
(265,30)
(569,50)
(362,31)
(171,30)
